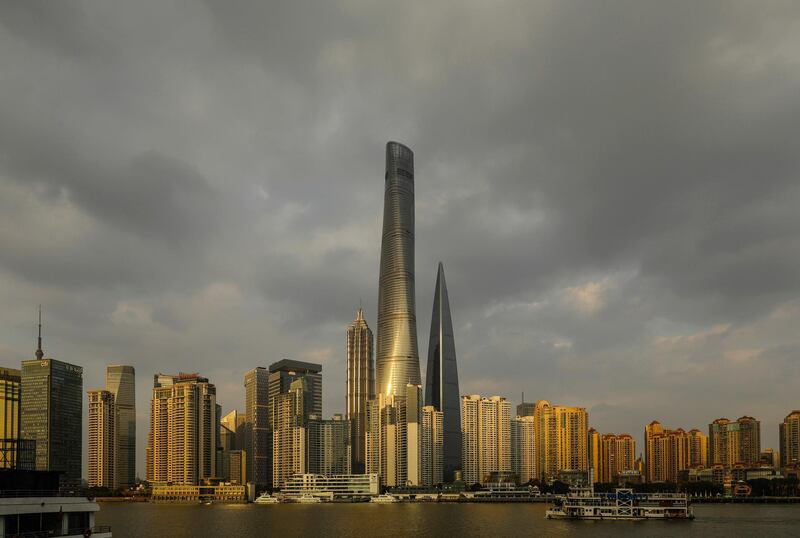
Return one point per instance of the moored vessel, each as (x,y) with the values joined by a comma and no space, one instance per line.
(386,498)
(622,504)
(266,498)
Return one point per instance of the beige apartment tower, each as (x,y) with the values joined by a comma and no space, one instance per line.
(523,448)
(432,446)
(789,432)
(734,442)
(486,437)
(562,434)
(102,439)
(182,445)
(394,437)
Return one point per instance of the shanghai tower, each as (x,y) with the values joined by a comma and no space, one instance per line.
(397,359)
(441,384)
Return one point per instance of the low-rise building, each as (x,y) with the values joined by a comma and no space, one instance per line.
(183,493)
(339,486)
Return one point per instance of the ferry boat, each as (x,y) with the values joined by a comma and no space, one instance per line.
(623,504)
(307,499)
(31,504)
(266,498)
(386,498)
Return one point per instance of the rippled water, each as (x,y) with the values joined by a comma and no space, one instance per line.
(456,520)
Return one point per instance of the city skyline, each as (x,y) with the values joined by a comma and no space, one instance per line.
(617,216)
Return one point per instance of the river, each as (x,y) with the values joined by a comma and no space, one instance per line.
(450,520)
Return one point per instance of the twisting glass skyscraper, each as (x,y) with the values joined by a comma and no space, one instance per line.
(397,359)
(441,385)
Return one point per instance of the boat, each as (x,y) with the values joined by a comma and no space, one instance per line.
(32,504)
(266,498)
(386,498)
(622,504)
(307,499)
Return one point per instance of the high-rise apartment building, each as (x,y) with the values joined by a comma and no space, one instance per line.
(256,435)
(441,384)
(289,442)
(562,434)
(9,416)
(668,452)
(523,448)
(51,404)
(616,455)
(486,432)
(432,446)
(329,449)
(397,357)
(789,433)
(102,439)
(697,454)
(182,444)
(734,442)
(121,383)
(360,385)
(394,437)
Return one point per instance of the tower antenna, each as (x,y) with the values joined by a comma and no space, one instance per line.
(39,352)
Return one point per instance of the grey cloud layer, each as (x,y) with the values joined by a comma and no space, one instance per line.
(612,188)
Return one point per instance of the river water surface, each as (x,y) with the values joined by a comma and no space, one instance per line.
(449,520)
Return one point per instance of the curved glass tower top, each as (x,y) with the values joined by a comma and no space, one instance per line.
(396,356)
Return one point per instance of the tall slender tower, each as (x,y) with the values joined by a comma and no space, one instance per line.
(360,384)
(397,359)
(121,382)
(441,384)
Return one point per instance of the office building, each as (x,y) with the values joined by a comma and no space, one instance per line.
(394,437)
(397,357)
(360,385)
(51,404)
(256,437)
(182,444)
(486,433)
(236,467)
(789,435)
(523,448)
(432,446)
(121,383)
(734,442)
(525,409)
(284,372)
(441,384)
(9,417)
(102,440)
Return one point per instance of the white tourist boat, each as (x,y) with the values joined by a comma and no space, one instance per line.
(623,504)
(266,498)
(386,498)
(308,499)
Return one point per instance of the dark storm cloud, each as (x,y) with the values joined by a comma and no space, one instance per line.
(612,188)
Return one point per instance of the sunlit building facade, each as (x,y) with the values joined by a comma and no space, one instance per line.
(734,442)
(397,357)
(182,444)
(102,440)
(486,437)
(789,433)
(523,448)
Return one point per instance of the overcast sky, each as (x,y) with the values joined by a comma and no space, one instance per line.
(613,189)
